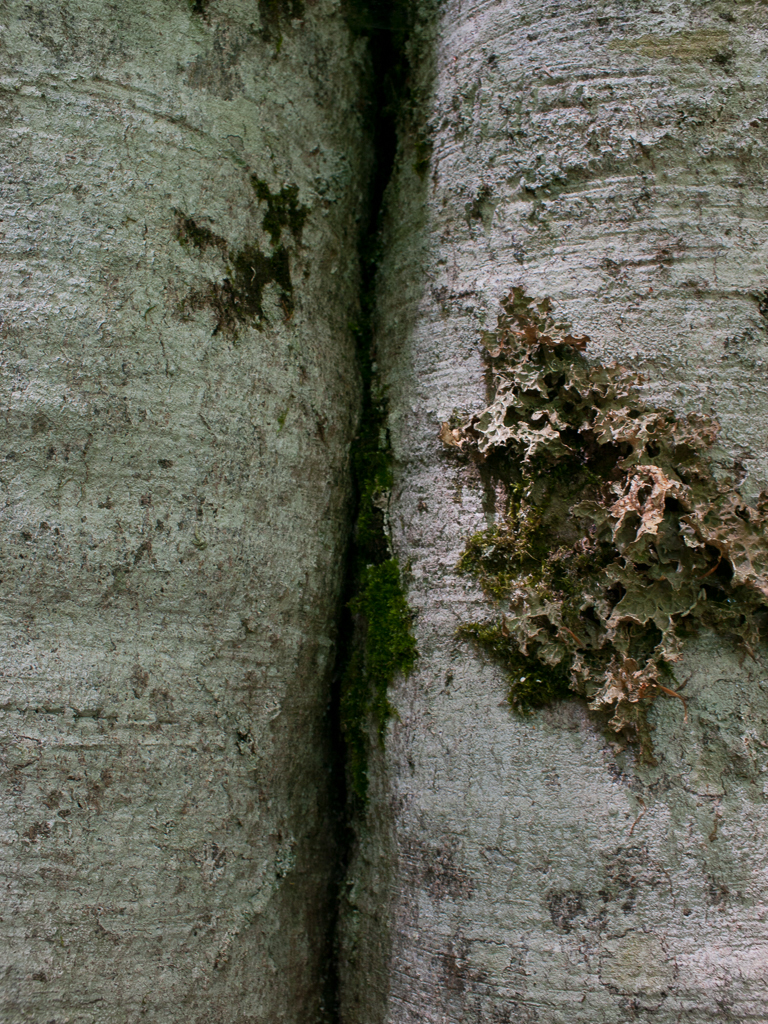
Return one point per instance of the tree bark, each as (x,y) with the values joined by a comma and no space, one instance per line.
(610,157)
(180,188)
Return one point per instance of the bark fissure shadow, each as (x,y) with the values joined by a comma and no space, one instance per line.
(375,643)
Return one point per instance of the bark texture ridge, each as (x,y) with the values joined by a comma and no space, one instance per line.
(609,156)
(180,188)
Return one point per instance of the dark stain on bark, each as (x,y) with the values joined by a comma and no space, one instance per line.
(564,907)
(283,209)
(436,869)
(199,7)
(237,298)
(276,16)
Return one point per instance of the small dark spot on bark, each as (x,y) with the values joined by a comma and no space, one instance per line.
(161,703)
(145,548)
(455,966)
(717,893)
(40,830)
(564,907)
(165,463)
(139,681)
(40,423)
(439,873)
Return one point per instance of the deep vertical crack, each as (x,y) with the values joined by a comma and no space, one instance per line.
(386,26)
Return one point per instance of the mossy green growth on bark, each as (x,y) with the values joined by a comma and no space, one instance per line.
(532,683)
(618,538)
(381,644)
(384,648)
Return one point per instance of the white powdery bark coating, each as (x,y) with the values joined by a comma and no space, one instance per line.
(173,506)
(611,156)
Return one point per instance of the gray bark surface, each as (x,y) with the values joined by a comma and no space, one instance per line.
(610,156)
(174,486)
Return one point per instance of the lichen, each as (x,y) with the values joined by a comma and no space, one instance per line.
(617,540)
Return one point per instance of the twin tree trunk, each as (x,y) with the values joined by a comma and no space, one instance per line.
(183,188)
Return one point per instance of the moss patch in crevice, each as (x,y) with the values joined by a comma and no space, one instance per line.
(617,539)
(384,647)
(380,643)
(238,298)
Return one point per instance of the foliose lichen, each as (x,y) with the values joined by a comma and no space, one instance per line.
(618,538)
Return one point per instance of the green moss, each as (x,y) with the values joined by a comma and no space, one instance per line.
(423,148)
(498,556)
(532,683)
(283,209)
(389,646)
(372,468)
(385,648)
(380,643)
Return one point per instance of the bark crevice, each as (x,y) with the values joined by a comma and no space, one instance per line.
(359,707)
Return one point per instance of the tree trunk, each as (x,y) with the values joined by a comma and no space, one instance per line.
(181,194)
(610,157)
(180,186)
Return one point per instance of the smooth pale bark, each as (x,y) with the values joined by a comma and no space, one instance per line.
(174,488)
(611,156)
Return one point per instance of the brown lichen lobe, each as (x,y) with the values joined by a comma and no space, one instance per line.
(617,537)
